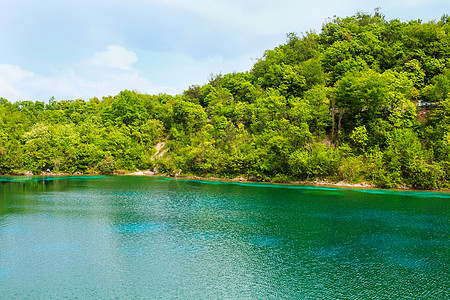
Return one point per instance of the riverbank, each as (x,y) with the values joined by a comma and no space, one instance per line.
(242,179)
(319,183)
(316,182)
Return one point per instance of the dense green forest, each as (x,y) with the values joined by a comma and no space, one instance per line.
(366,99)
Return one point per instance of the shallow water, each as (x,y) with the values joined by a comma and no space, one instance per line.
(147,237)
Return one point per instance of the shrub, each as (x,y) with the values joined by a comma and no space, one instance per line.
(106,165)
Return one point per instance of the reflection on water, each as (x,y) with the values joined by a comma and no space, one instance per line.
(138,237)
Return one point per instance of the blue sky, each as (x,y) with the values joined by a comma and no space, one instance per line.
(92,48)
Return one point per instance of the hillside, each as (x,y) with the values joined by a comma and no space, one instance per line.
(365,99)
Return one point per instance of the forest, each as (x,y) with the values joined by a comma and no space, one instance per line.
(364,100)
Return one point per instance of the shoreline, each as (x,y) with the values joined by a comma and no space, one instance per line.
(316,182)
(242,179)
(321,183)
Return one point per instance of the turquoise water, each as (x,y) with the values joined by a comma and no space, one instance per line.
(155,238)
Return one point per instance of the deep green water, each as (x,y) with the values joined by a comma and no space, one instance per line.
(141,237)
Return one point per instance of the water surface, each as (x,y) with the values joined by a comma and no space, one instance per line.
(145,237)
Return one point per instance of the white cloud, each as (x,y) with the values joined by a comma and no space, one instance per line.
(12,73)
(11,77)
(106,73)
(115,57)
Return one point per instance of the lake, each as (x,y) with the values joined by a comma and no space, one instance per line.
(125,237)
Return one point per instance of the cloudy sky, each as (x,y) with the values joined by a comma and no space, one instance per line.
(92,48)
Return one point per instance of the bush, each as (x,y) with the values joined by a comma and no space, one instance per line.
(20,172)
(427,176)
(317,161)
(106,165)
(352,168)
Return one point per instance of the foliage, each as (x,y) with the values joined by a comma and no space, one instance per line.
(107,165)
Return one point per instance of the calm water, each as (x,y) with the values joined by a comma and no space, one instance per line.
(142,237)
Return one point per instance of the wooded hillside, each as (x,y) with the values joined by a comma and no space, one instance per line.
(366,99)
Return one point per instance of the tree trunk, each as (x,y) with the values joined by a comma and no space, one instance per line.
(341,113)
(333,113)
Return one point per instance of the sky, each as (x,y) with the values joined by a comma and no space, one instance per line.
(80,49)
